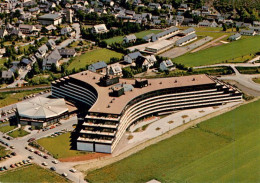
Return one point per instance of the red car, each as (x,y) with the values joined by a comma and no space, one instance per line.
(31,139)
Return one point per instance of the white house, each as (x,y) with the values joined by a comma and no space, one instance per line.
(166,65)
(131,57)
(129,39)
(97,29)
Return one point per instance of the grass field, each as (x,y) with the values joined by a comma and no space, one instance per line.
(222,149)
(119,39)
(31,173)
(59,146)
(7,98)
(221,53)
(7,128)
(92,57)
(256,80)
(18,133)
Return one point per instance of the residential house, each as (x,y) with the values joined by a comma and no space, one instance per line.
(52,59)
(131,57)
(206,23)
(49,19)
(97,29)
(67,52)
(235,37)
(247,32)
(66,31)
(145,61)
(129,38)
(256,29)
(41,52)
(154,6)
(148,37)
(166,65)
(27,29)
(51,44)
(7,76)
(167,6)
(115,70)
(98,67)
(3,33)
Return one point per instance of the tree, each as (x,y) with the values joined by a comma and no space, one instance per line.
(53,68)
(127,72)
(224,26)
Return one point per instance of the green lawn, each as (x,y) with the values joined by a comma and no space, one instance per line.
(7,98)
(92,57)
(31,173)
(248,70)
(220,54)
(222,149)
(141,34)
(7,128)
(3,151)
(18,133)
(59,146)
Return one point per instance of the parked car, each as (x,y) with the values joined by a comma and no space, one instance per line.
(45,157)
(55,161)
(53,168)
(30,157)
(12,147)
(44,164)
(73,170)
(13,153)
(64,174)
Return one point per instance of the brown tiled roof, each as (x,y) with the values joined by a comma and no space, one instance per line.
(103,99)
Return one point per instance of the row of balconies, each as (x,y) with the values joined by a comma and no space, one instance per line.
(100,125)
(105,141)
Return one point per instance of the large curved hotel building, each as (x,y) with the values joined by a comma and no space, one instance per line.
(115,103)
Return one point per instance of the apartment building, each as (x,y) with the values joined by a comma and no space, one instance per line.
(115,104)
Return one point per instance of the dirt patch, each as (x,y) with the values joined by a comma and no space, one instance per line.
(84,157)
(130,137)
(157,128)
(184,116)
(170,122)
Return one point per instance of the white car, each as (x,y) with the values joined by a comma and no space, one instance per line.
(44,164)
(73,170)
(64,174)
(31,150)
(55,161)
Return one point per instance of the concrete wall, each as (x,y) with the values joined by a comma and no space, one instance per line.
(103,148)
(84,146)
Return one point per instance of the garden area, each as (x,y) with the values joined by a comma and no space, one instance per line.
(221,149)
(91,57)
(18,133)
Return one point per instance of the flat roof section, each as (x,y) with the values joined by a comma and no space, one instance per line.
(118,103)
